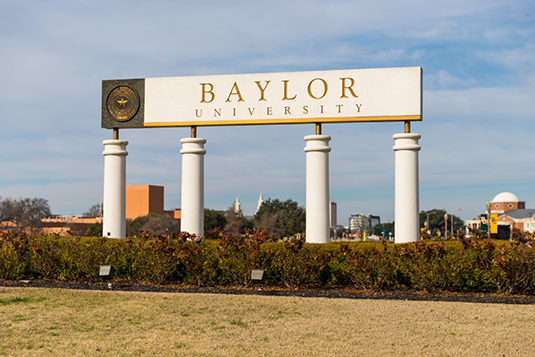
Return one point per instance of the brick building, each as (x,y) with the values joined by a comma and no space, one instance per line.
(506,201)
(144,199)
(511,213)
(140,201)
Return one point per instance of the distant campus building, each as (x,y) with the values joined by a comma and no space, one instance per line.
(511,213)
(359,223)
(333,215)
(141,200)
(144,199)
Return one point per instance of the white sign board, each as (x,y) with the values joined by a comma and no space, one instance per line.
(359,95)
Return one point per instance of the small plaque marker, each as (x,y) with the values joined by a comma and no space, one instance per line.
(258,277)
(107,272)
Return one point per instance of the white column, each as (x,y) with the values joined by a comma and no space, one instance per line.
(317,188)
(407,196)
(114,200)
(192,206)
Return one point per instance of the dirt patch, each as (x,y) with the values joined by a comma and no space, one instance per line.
(341,293)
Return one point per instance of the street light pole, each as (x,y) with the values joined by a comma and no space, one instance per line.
(446,225)
(488,219)
(460,209)
(451,228)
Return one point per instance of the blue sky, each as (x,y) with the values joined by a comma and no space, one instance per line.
(478,59)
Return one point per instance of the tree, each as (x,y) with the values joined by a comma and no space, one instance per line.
(9,210)
(235,221)
(213,219)
(156,224)
(24,212)
(436,221)
(94,230)
(282,219)
(94,211)
(391,227)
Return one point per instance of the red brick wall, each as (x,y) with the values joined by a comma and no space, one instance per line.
(506,206)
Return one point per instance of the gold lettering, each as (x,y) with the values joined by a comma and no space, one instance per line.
(233,111)
(262,90)
(204,92)
(305,109)
(269,111)
(251,111)
(321,109)
(286,91)
(235,87)
(217,112)
(358,107)
(287,111)
(198,113)
(348,87)
(325,88)
(339,106)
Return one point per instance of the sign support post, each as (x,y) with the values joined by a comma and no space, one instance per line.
(317,187)
(406,205)
(192,202)
(114,198)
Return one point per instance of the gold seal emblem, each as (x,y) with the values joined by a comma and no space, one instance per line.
(122,103)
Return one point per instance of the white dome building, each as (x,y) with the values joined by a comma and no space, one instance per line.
(510,212)
(505,197)
(506,201)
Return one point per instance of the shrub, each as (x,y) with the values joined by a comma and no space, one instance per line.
(510,268)
(214,233)
(200,261)
(49,257)
(121,257)
(155,258)
(463,265)
(433,266)
(239,254)
(297,264)
(375,268)
(9,259)
(88,254)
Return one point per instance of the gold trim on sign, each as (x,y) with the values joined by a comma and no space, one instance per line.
(286,121)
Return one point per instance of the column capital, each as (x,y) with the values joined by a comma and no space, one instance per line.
(407,136)
(318,143)
(115,142)
(193,146)
(406,141)
(317,137)
(115,147)
(193,141)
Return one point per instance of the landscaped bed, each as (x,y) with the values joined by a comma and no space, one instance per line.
(465,266)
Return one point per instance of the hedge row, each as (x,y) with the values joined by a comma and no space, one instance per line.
(461,265)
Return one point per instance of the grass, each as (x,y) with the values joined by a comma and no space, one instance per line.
(55,322)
